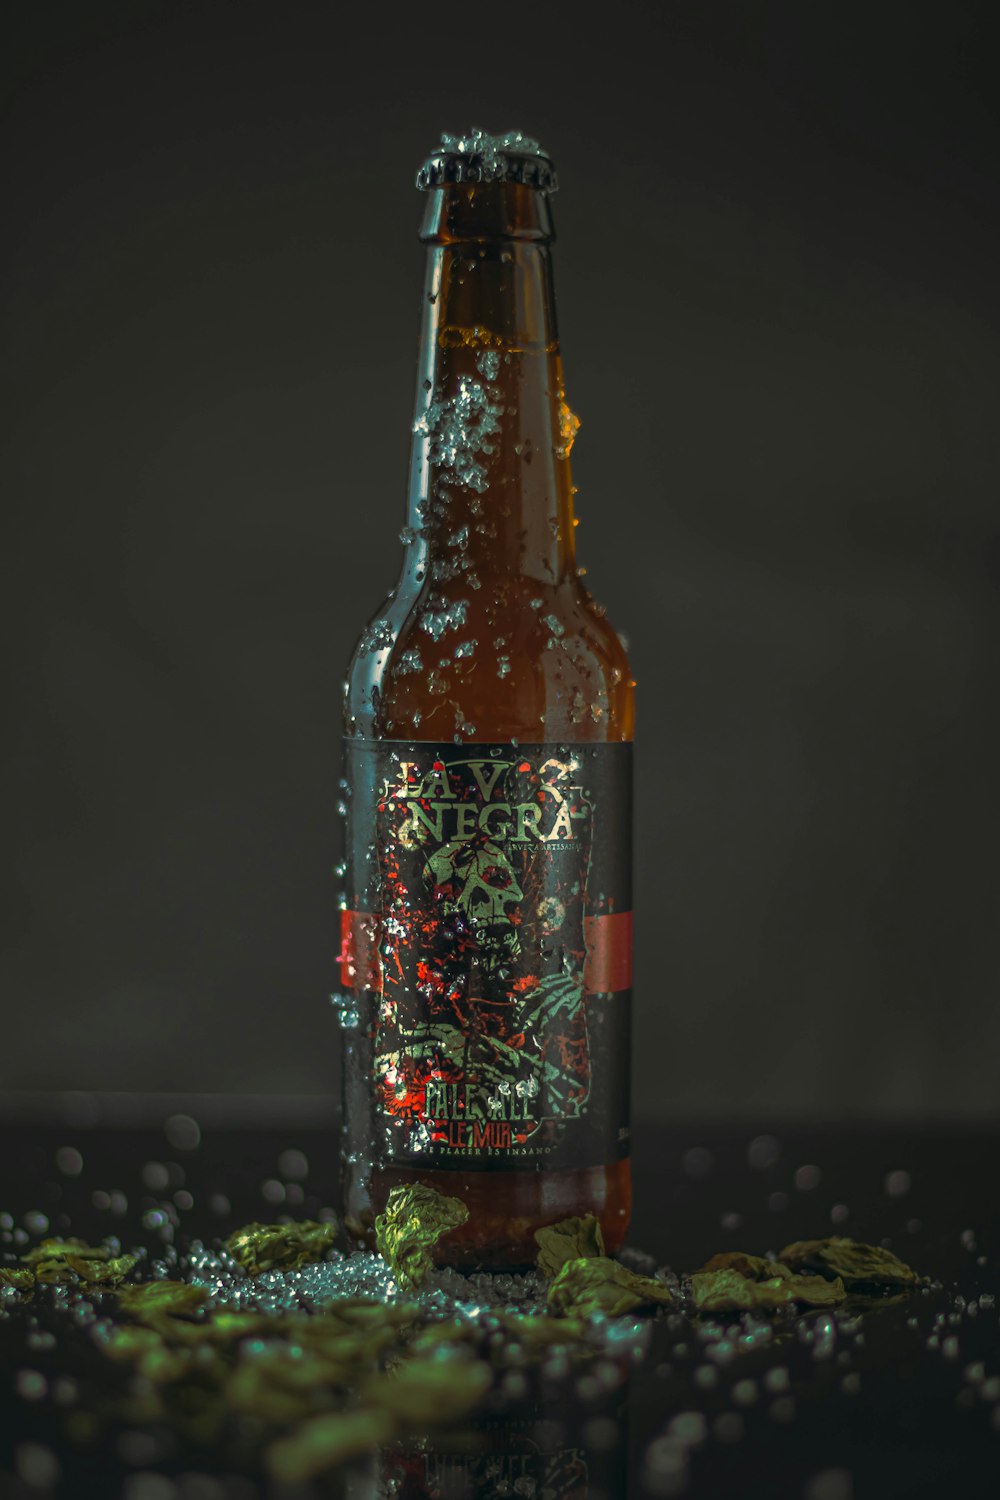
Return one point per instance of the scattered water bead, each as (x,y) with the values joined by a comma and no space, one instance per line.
(37,1466)
(491,148)
(829,1484)
(729,1427)
(689,1428)
(436,621)
(807,1178)
(31,1385)
(139,1449)
(65,1390)
(488,364)
(69,1161)
(409,661)
(851,1384)
(782,1409)
(460,432)
(762,1152)
(207,1487)
(148,1485)
(731,1221)
(744,1392)
(183,1132)
(898,1184)
(272,1191)
(601,1435)
(839,1213)
(824,1338)
(697,1162)
(35,1222)
(155,1177)
(40,1338)
(665,1467)
(777,1202)
(377,636)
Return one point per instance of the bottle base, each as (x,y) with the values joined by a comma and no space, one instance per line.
(505,1209)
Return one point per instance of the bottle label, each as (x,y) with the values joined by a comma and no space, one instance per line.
(487,938)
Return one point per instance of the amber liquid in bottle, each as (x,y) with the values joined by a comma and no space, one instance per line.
(490,545)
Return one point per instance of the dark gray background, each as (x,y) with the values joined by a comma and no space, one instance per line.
(777,278)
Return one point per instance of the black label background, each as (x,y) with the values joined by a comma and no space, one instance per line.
(483,867)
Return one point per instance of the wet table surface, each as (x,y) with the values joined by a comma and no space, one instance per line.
(901,1401)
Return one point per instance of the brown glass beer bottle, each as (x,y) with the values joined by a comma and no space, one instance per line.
(486,922)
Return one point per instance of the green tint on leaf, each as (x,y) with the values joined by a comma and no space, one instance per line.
(21,1277)
(56,1250)
(274,1247)
(726,1290)
(440,1387)
(415,1219)
(585,1287)
(148,1352)
(537,1334)
(855,1263)
(151,1300)
(69,1260)
(325,1441)
(570,1239)
(103,1274)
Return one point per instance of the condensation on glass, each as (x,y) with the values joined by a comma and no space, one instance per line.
(486,916)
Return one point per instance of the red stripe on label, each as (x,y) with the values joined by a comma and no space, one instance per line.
(358,951)
(609,953)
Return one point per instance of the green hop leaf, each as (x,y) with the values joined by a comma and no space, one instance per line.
(570,1239)
(415,1219)
(726,1290)
(855,1263)
(271,1247)
(591,1285)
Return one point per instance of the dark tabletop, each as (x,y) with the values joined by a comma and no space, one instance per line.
(902,1399)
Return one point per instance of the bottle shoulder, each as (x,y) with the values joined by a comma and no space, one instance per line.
(515,658)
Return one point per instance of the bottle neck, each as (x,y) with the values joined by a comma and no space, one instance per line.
(491,493)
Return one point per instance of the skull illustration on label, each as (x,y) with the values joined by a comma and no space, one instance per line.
(477,878)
